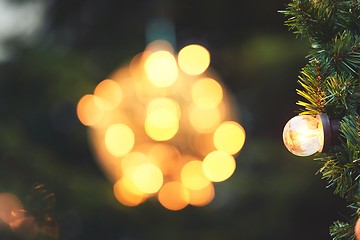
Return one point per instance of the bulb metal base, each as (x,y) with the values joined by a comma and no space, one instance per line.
(330,130)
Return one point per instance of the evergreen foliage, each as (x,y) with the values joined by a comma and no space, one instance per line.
(330,83)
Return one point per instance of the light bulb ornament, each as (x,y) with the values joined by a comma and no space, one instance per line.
(304,135)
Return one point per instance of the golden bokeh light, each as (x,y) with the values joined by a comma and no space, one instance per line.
(204,120)
(161,68)
(166,156)
(148,178)
(202,197)
(194,59)
(218,166)
(88,110)
(207,93)
(119,139)
(161,124)
(192,175)
(203,143)
(110,93)
(131,161)
(229,137)
(164,103)
(126,193)
(174,196)
(163,128)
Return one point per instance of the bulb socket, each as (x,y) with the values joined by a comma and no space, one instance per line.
(330,130)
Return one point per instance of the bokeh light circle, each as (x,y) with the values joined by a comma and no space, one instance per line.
(161,124)
(148,178)
(90,110)
(203,196)
(174,196)
(218,166)
(126,193)
(192,175)
(207,93)
(194,59)
(229,137)
(110,94)
(164,128)
(204,120)
(161,68)
(119,139)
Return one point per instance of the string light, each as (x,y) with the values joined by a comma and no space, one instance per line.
(357,229)
(305,135)
(164,127)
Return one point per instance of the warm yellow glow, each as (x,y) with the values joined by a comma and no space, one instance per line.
(156,130)
(357,229)
(161,68)
(119,139)
(131,161)
(159,45)
(204,120)
(229,137)
(27,227)
(145,91)
(218,166)
(110,93)
(88,110)
(161,124)
(9,205)
(194,59)
(207,93)
(127,194)
(148,178)
(202,196)
(192,175)
(164,103)
(204,143)
(303,135)
(167,157)
(173,196)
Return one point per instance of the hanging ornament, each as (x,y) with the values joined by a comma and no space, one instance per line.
(164,127)
(357,229)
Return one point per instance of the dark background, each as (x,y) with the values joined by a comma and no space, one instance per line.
(272,194)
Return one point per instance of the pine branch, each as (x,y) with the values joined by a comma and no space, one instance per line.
(350,131)
(340,175)
(342,231)
(330,83)
(341,54)
(312,82)
(341,94)
(321,20)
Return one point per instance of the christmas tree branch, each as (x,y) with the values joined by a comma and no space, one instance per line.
(330,83)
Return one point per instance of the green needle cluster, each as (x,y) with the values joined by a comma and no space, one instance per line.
(329,83)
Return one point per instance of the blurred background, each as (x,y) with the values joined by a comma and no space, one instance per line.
(53,52)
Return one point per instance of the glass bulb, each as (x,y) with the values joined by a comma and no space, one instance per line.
(303,135)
